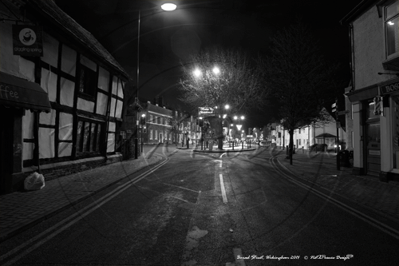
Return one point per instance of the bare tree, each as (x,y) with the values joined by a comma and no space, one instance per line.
(299,79)
(219,76)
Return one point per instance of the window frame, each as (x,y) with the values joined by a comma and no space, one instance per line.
(386,19)
(90,78)
(93,142)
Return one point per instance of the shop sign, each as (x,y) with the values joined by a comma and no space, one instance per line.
(205,111)
(390,88)
(27,40)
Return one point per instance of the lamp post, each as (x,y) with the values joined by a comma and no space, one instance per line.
(165,7)
(239,125)
(142,131)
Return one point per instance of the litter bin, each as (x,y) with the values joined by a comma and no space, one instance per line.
(210,145)
(344,158)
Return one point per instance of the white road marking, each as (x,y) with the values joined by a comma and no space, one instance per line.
(364,217)
(222,155)
(222,188)
(51,232)
(182,187)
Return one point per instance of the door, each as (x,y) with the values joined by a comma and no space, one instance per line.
(372,140)
(373,155)
(6,149)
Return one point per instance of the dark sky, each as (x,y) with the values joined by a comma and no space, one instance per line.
(168,38)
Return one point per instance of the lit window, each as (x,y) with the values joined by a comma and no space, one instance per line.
(392,28)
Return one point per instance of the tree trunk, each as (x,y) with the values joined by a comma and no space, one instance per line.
(291,147)
(220,143)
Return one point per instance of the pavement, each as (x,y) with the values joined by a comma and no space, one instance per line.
(321,170)
(23,209)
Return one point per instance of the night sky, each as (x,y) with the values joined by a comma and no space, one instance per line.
(168,38)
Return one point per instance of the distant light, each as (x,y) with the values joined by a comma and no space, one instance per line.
(242,117)
(197,73)
(216,70)
(168,7)
(226,106)
(235,117)
(224,116)
(391,23)
(143,115)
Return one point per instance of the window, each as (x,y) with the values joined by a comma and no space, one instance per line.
(151,134)
(87,81)
(88,137)
(156,134)
(392,28)
(151,119)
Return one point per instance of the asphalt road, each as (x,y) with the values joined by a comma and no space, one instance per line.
(204,209)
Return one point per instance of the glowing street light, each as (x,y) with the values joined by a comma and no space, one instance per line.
(197,73)
(216,70)
(168,7)
(165,7)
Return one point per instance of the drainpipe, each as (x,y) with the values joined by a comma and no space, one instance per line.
(352,53)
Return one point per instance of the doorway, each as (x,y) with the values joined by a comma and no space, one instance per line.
(6,149)
(372,142)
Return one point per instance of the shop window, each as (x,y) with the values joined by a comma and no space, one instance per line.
(87,81)
(88,137)
(395,131)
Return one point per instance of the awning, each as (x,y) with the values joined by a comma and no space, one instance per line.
(324,136)
(363,94)
(18,92)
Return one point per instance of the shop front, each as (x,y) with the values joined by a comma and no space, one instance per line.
(16,97)
(376,130)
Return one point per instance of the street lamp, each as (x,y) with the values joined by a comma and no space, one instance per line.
(142,122)
(165,7)
(168,7)
(239,125)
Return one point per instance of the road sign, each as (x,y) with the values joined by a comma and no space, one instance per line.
(334,107)
(206,111)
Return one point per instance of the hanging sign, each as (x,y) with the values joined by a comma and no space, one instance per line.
(27,40)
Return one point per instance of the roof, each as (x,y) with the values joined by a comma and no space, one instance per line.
(66,23)
(360,9)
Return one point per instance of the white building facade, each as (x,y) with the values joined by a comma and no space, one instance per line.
(374,94)
(318,133)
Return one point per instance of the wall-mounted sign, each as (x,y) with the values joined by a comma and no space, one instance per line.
(27,40)
(390,88)
(205,111)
